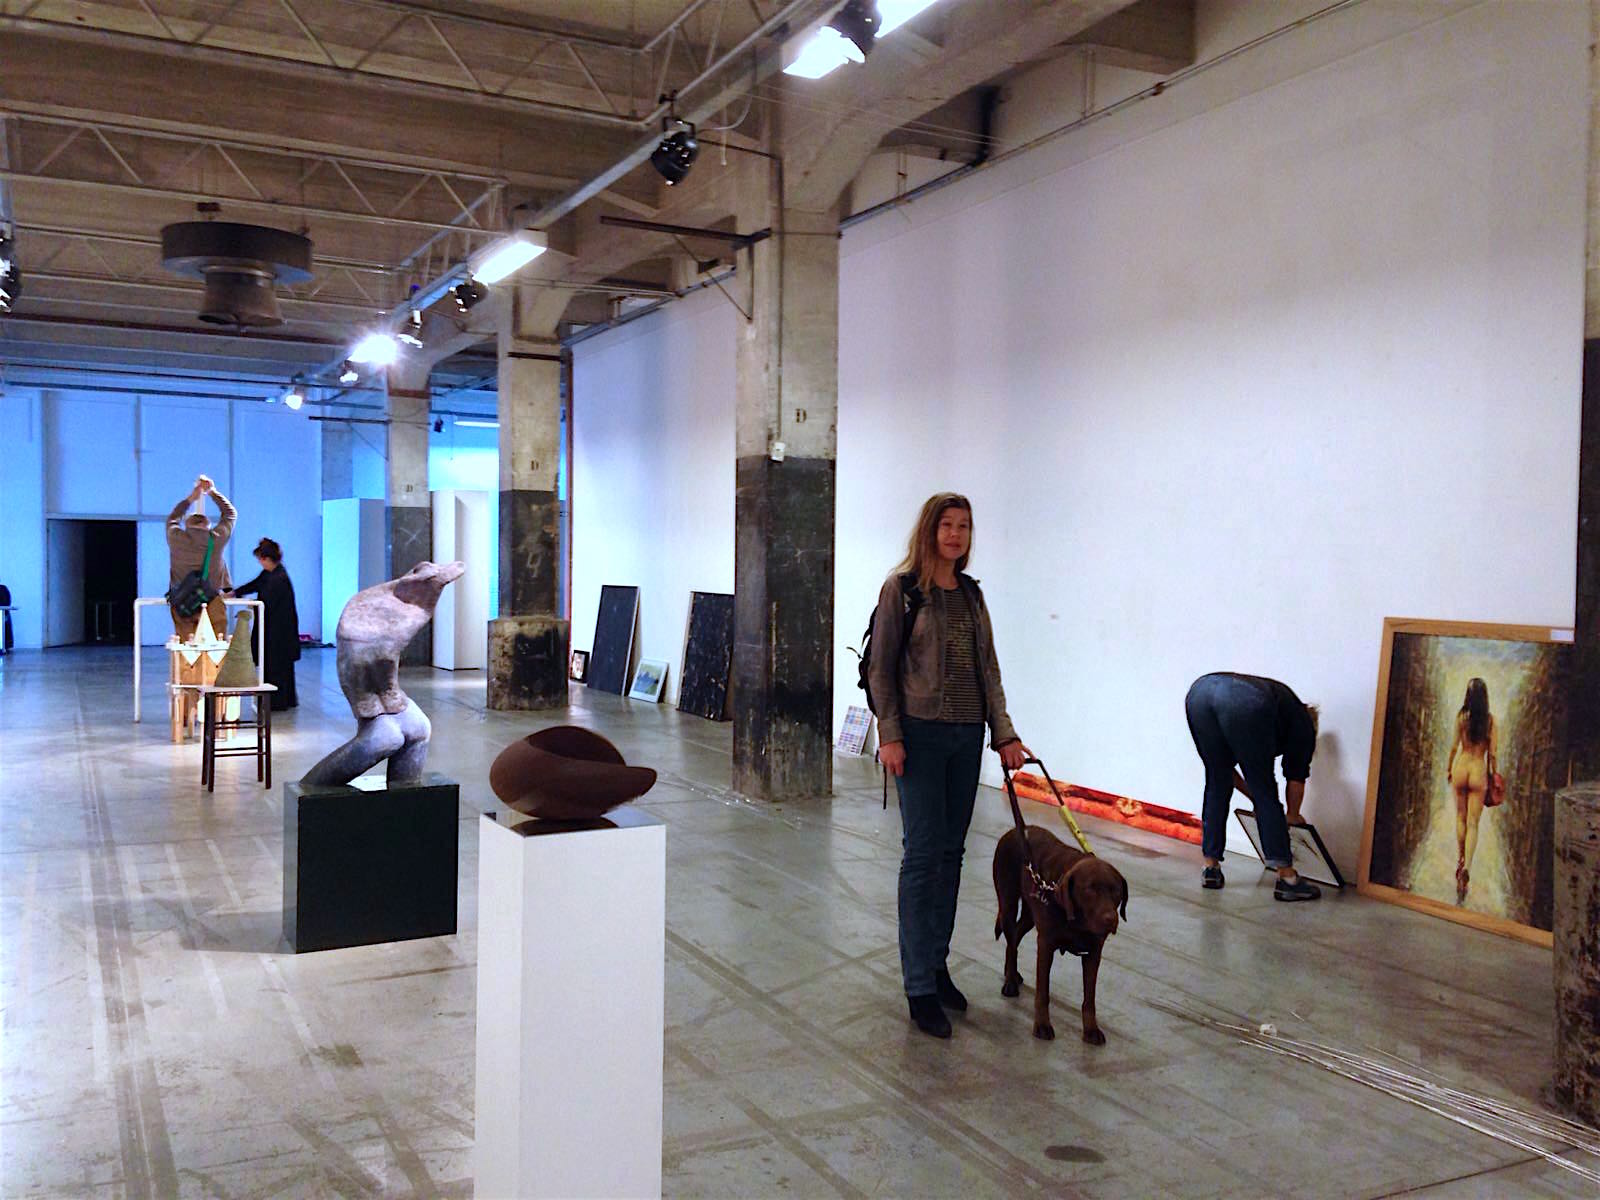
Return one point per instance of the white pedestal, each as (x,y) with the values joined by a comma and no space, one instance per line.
(571,1009)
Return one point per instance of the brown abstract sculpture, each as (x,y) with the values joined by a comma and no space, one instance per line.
(566,774)
(238,669)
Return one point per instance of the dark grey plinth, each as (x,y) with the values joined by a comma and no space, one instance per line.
(363,866)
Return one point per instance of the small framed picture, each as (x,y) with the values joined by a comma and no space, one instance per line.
(648,680)
(579,668)
(853,734)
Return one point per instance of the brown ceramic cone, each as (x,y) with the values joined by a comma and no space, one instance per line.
(236,669)
(566,774)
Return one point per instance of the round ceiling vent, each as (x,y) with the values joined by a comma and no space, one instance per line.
(240,265)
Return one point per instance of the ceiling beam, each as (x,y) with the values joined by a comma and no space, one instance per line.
(153,93)
(195,290)
(835,123)
(1155,36)
(316,73)
(127,239)
(152,191)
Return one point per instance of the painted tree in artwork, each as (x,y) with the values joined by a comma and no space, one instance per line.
(1406,776)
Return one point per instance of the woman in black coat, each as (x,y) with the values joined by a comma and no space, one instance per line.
(283,621)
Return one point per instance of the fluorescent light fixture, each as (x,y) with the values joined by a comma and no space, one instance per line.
(827,49)
(376,350)
(468,423)
(506,255)
(894,13)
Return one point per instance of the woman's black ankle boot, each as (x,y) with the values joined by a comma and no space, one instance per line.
(930,1018)
(947,993)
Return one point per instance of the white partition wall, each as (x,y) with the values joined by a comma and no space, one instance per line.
(461,531)
(352,554)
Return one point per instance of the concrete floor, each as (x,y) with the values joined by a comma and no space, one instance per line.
(159,1042)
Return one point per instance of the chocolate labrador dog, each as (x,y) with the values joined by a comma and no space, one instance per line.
(1075,913)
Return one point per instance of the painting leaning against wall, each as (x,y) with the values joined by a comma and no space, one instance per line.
(1468,751)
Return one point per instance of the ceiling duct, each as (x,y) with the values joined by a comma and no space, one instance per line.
(240,264)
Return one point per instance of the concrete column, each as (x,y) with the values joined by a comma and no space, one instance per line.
(338,461)
(409,512)
(788,383)
(1576,960)
(528,641)
(1584,715)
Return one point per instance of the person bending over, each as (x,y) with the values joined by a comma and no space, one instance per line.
(276,593)
(935,681)
(187,538)
(1240,723)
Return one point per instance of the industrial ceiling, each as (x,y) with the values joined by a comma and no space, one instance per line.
(401,137)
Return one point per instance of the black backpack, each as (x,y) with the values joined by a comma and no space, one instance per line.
(912,599)
(194,591)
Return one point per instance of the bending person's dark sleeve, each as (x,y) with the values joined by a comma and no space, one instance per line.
(246,589)
(1298,747)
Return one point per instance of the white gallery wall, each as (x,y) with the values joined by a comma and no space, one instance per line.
(86,454)
(1229,379)
(653,470)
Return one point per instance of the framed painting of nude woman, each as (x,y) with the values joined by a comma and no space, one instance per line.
(1468,751)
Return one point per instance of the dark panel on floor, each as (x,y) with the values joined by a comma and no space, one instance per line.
(613,638)
(707,656)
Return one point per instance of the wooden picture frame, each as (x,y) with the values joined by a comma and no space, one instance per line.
(1416,785)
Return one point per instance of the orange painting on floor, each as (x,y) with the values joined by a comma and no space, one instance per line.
(1168,822)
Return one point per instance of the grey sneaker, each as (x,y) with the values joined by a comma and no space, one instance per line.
(1298,890)
(1212,878)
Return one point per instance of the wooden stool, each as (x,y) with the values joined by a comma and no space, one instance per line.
(210,697)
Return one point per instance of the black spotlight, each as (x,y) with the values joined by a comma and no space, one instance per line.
(859,22)
(676,152)
(438,424)
(468,293)
(10,275)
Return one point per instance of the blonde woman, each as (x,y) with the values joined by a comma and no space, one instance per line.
(1471,767)
(936,684)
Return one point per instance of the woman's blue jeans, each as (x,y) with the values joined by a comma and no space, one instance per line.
(1234,723)
(937,792)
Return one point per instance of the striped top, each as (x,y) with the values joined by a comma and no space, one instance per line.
(963,683)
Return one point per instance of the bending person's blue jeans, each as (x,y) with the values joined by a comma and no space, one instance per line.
(937,792)
(1235,723)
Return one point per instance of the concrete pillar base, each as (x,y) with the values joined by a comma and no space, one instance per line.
(1577,952)
(528,663)
(783,629)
